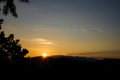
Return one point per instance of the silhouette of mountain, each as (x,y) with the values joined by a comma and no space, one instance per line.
(63,66)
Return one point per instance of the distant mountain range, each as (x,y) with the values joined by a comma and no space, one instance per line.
(63,66)
(74,61)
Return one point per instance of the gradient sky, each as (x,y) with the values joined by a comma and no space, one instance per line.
(61,27)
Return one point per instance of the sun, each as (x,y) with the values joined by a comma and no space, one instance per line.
(44,55)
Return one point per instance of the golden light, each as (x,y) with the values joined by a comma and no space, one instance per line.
(44,55)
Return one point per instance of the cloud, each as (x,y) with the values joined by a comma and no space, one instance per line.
(49,43)
(43,41)
(115,54)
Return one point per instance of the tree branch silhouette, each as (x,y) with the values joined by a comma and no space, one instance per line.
(10,7)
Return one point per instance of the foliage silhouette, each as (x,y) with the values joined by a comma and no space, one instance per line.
(10,7)
(10,49)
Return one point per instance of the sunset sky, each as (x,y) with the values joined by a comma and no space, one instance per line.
(67,27)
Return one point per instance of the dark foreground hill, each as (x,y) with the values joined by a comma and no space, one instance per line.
(62,66)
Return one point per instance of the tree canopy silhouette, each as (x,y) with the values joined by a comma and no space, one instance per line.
(10,7)
(10,49)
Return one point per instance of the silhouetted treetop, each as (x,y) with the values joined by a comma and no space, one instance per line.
(10,7)
(10,49)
